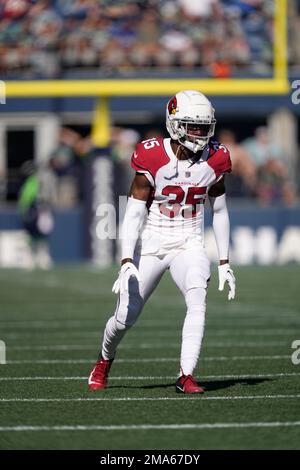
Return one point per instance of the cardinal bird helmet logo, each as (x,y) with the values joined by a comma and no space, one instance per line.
(172,106)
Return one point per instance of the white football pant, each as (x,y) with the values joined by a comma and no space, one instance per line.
(190,269)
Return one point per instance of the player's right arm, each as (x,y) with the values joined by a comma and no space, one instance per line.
(132,223)
(134,215)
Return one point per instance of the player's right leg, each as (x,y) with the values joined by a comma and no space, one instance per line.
(129,307)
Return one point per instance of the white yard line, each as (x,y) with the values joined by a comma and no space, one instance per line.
(144,334)
(149,360)
(146,427)
(79,347)
(250,397)
(165,377)
(82,324)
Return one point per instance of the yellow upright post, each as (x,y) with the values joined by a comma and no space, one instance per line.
(101,123)
(101,186)
(280,40)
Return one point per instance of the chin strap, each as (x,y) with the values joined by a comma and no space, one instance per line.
(183,139)
(195,157)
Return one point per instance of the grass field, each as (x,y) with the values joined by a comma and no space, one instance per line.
(52,324)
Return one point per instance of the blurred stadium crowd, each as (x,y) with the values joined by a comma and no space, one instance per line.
(260,171)
(218,38)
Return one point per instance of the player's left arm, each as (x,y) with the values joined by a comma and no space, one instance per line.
(221,227)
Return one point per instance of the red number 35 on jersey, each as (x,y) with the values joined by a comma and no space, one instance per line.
(177,198)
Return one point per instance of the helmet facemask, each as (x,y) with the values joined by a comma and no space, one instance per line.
(195,135)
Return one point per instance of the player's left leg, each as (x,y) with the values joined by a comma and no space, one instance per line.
(190,270)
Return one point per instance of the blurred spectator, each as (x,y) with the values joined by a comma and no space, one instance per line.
(204,9)
(123,142)
(45,38)
(261,147)
(273,184)
(35,202)
(64,163)
(242,181)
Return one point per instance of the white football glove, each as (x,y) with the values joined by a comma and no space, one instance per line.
(127,270)
(226,275)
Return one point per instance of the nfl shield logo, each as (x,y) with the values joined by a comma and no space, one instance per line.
(187,174)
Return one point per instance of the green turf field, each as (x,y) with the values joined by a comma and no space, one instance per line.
(52,323)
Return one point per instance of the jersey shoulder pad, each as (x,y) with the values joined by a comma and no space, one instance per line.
(149,156)
(219,158)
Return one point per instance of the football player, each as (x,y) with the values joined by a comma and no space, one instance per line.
(163,228)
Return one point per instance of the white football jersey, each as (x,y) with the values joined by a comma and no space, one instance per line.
(176,204)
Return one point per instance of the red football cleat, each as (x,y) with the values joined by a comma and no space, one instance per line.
(187,384)
(99,375)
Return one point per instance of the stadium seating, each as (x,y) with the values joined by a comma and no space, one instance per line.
(56,38)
